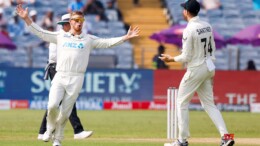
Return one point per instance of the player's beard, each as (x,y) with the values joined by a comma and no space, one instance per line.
(77,27)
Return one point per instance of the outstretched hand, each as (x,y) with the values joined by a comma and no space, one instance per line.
(166,58)
(132,32)
(23,13)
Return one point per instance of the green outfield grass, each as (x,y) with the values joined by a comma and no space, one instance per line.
(123,128)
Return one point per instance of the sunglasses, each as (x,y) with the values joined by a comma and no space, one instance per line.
(79,20)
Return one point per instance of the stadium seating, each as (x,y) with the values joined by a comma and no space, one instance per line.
(97,61)
(231,12)
(149,17)
(38,57)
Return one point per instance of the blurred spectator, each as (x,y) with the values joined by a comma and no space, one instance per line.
(163,3)
(256,4)
(251,65)
(4,31)
(211,4)
(48,19)
(76,5)
(29,1)
(112,12)
(5,3)
(95,7)
(16,2)
(136,3)
(33,15)
(158,63)
(2,19)
(15,26)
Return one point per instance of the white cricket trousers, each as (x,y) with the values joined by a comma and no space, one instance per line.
(197,79)
(65,89)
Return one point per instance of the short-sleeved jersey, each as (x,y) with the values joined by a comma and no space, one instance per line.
(197,43)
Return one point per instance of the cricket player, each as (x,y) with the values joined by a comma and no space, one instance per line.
(198,52)
(73,50)
(50,71)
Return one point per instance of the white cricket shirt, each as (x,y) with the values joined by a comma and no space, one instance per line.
(197,43)
(52,53)
(73,51)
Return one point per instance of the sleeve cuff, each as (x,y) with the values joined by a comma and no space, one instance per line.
(177,58)
(32,26)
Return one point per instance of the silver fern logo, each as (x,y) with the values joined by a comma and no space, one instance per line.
(80,46)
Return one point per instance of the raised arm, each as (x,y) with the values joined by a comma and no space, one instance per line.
(34,28)
(107,43)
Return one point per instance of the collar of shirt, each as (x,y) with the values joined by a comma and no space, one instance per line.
(196,18)
(80,36)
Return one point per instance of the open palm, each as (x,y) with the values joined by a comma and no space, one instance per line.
(23,13)
(133,32)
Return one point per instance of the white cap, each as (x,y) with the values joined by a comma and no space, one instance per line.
(33,12)
(64,19)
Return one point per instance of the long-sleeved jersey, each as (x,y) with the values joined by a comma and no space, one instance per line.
(197,43)
(73,51)
(52,53)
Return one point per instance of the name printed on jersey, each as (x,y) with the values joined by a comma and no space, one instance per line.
(203,30)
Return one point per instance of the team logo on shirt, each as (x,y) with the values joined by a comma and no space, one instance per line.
(72,45)
(80,46)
